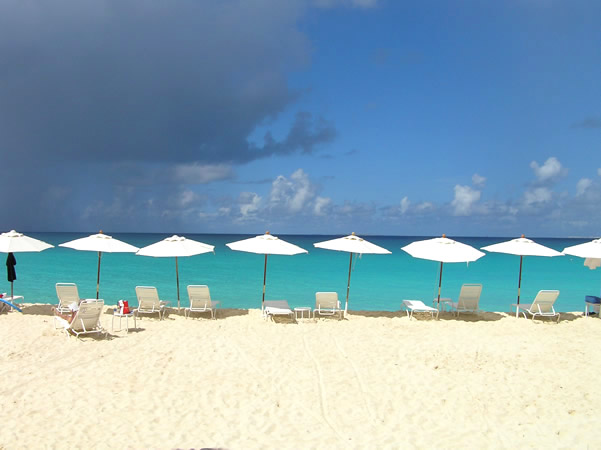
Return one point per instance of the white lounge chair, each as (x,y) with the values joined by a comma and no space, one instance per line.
(149,302)
(469,299)
(541,306)
(327,304)
(67,294)
(411,306)
(86,320)
(200,300)
(276,308)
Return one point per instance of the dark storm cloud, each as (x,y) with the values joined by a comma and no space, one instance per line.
(143,80)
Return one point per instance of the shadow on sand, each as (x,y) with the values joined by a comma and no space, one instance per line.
(39,310)
(485,316)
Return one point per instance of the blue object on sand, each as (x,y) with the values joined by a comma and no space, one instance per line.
(592,299)
(12,305)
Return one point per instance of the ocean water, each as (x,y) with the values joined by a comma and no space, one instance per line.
(378,282)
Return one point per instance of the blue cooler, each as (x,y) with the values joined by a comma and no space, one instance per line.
(593,303)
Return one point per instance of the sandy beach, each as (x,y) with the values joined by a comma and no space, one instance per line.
(376,380)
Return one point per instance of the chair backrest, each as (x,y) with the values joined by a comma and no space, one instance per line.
(469,297)
(87,316)
(543,302)
(326,300)
(199,295)
(148,297)
(67,293)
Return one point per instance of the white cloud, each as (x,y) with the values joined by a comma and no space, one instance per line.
(425,206)
(549,171)
(465,198)
(187,198)
(537,196)
(478,180)
(249,204)
(201,173)
(405,204)
(321,206)
(582,185)
(293,194)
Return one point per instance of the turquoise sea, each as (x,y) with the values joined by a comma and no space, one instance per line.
(379,282)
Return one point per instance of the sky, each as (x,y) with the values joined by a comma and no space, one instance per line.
(378,117)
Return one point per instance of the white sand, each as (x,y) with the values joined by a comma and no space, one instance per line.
(375,380)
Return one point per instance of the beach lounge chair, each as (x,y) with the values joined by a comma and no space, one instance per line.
(411,306)
(327,304)
(276,308)
(6,303)
(469,298)
(149,302)
(541,306)
(200,300)
(67,294)
(86,320)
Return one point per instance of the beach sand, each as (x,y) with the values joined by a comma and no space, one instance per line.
(376,380)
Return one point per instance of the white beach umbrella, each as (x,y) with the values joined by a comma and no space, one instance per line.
(351,244)
(444,250)
(521,247)
(13,242)
(590,251)
(266,244)
(175,246)
(101,243)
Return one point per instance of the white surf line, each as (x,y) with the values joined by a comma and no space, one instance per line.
(322,398)
(372,416)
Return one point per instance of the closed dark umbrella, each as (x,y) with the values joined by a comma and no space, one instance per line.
(11,262)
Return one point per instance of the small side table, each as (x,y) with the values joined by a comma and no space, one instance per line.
(445,303)
(301,310)
(592,302)
(591,306)
(121,316)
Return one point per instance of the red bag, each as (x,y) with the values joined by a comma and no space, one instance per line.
(123,307)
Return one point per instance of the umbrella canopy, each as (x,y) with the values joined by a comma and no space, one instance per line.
(521,247)
(101,243)
(13,242)
(591,251)
(174,247)
(266,244)
(351,244)
(444,250)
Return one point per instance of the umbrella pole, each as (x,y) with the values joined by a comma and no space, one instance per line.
(264,280)
(439,284)
(348,284)
(98,277)
(177,278)
(517,308)
(11,290)
(520,279)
